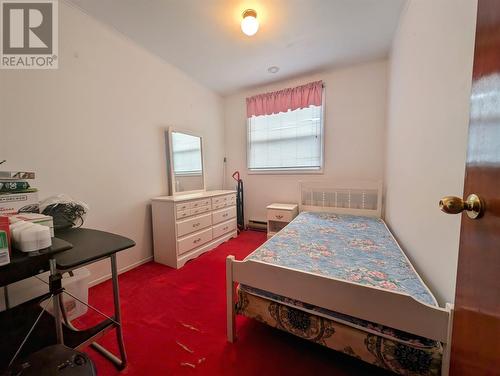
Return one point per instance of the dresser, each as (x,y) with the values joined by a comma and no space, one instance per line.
(186,225)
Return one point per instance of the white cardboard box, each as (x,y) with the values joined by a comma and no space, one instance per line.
(10,203)
(22,291)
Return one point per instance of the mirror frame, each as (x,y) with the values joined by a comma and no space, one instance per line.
(170,164)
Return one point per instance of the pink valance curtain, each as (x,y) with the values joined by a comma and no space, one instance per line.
(286,99)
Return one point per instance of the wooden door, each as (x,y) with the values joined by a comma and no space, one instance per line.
(476,325)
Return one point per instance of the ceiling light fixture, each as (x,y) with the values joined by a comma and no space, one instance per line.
(249,24)
(273,69)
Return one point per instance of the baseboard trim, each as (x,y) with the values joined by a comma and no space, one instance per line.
(120,271)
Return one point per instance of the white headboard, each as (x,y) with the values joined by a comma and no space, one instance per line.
(343,197)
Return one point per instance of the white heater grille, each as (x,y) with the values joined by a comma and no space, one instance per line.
(362,197)
(341,198)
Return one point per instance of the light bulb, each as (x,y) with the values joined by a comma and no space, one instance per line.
(249,24)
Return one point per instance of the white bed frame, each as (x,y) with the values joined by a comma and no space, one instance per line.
(392,309)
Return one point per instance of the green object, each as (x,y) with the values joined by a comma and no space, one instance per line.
(3,241)
(13,186)
(29,190)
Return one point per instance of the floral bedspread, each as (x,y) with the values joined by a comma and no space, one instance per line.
(353,248)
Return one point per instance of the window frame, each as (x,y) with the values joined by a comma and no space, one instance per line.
(291,170)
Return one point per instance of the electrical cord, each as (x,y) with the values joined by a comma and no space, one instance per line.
(66,215)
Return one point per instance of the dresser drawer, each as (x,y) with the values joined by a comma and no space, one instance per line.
(182,213)
(183,206)
(220,205)
(224,228)
(280,215)
(200,210)
(219,200)
(231,200)
(223,215)
(193,224)
(198,203)
(193,241)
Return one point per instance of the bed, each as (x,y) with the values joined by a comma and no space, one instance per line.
(336,276)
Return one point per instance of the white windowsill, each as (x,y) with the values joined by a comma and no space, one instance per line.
(183,174)
(285,172)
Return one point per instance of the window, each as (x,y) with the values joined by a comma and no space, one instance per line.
(186,151)
(286,141)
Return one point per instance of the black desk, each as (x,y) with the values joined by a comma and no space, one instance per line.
(90,246)
(24,265)
(71,249)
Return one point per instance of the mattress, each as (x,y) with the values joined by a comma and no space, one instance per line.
(348,247)
(352,248)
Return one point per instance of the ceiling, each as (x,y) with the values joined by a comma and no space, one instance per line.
(203,37)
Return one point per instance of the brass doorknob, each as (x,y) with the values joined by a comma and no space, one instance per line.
(473,206)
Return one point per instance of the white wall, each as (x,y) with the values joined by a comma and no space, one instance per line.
(430,80)
(355,117)
(93,128)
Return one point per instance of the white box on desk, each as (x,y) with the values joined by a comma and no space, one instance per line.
(41,219)
(10,203)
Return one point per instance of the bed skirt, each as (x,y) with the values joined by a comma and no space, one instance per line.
(396,356)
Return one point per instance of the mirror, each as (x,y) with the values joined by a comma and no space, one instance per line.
(184,162)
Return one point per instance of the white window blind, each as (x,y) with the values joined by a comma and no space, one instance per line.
(186,150)
(286,141)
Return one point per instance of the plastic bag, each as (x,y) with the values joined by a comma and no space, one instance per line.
(65,211)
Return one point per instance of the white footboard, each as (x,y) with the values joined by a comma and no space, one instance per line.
(230,301)
(392,309)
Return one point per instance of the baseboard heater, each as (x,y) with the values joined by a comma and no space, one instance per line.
(257,225)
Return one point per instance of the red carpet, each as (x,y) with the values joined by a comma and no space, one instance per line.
(159,303)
